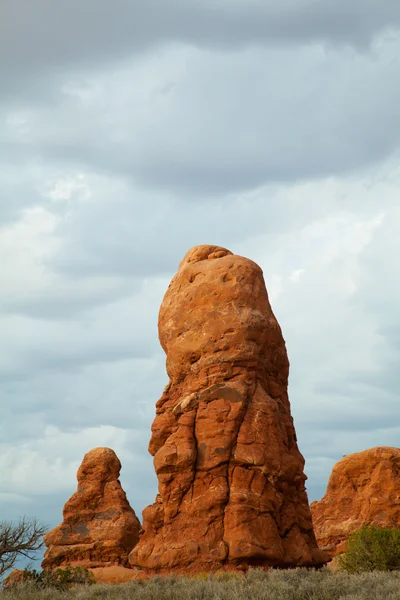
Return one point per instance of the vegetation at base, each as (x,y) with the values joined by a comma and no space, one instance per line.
(372,548)
(296,584)
(60,579)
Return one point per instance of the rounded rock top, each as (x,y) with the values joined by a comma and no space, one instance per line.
(204,252)
(99,463)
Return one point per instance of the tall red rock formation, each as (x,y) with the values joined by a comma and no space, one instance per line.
(99,526)
(363,489)
(231,480)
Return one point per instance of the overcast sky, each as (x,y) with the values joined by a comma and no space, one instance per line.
(131,131)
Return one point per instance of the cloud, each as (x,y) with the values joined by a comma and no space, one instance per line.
(31,286)
(39,37)
(271,117)
(379,290)
(15,185)
(93,394)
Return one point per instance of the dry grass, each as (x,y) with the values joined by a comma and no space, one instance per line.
(298,584)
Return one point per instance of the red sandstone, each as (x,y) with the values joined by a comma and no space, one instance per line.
(230,474)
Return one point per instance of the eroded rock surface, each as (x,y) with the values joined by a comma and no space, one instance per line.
(99,526)
(363,489)
(231,480)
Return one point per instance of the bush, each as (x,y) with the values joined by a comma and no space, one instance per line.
(58,578)
(372,549)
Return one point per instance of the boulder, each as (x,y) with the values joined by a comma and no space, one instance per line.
(15,578)
(230,474)
(99,527)
(363,489)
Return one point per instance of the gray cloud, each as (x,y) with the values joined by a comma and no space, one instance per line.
(379,291)
(49,36)
(122,237)
(271,116)
(16,193)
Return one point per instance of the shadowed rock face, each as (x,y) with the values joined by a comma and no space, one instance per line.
(99,526)
(231,480)
(363,489)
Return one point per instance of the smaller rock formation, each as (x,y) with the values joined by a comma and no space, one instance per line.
(16,577)
(363,489)
(99,527)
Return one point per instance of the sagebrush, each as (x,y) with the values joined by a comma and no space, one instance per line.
(60,579)
(296,584)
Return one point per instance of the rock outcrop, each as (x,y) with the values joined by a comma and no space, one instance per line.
(363,489)
(99,526)
(16,577)
(231,480)
(116,574)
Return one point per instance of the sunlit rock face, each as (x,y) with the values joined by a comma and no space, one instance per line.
(363,489)
(99,526)
(230,474)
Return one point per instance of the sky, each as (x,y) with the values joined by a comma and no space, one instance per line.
(132,131)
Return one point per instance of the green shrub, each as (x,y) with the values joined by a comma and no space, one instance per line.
(59,578)
(372,548)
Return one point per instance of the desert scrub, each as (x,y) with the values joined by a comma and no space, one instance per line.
(59,578)
(296,584)
(372,548)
